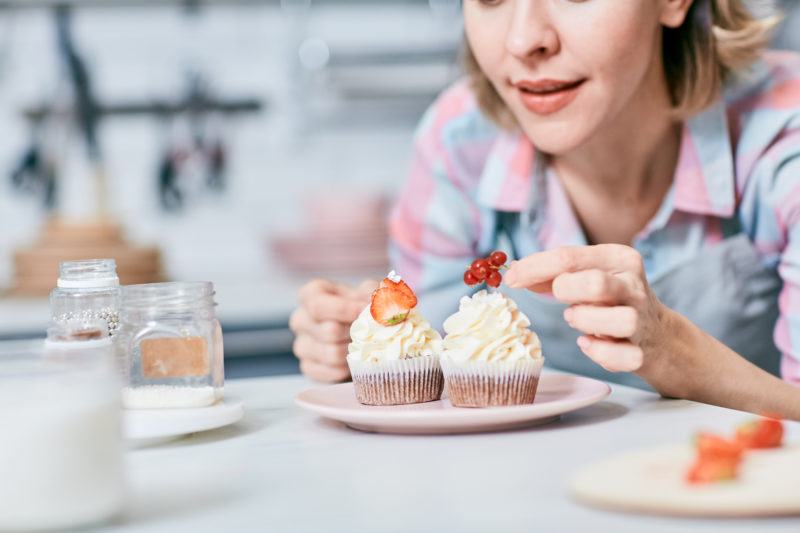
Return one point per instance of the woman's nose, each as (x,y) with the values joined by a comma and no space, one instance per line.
(531,32)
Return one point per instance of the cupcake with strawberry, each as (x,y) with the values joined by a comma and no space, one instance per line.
(491,357)
(394,352)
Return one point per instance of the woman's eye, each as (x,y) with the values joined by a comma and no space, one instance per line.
(490,3)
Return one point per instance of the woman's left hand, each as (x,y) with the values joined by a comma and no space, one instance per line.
(610,301)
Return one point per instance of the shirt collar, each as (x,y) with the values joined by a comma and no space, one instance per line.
(704,177)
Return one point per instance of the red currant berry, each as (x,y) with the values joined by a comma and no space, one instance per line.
(498,259)
(470,279)
(480,269)
(493,279)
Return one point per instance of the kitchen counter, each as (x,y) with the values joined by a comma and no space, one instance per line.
(254,317)
(283,469)
(239,304)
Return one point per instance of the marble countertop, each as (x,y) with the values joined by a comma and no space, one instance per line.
(282,469)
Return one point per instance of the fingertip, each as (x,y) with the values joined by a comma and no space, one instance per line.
(356,308)
(367,286)
(584,342)
(511,278)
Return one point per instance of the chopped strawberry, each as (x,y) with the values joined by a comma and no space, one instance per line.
(712,470)
(762,433)
(392,302)
(717,459)
(715,447)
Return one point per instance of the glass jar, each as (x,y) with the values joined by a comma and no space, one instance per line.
(79,338)
(61,451)
(87,289)
(171,343)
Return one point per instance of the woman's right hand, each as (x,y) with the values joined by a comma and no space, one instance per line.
(321,325)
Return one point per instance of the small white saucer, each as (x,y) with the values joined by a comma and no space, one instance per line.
(149,426)
(557,394)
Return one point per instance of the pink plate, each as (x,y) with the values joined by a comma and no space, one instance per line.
(557,394)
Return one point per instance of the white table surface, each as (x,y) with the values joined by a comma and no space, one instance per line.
(282,469)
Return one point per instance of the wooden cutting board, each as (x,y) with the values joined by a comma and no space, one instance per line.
(652,482)
(36,266)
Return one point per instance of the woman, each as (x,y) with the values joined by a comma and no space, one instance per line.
(641,160)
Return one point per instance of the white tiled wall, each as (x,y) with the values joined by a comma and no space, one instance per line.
(141,52)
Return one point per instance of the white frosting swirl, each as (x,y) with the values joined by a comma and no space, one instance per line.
(489,327)
(373,342)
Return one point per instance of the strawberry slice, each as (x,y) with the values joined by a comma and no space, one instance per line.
(715,447)
(399,286)
(392,302)
(718,459)
(762,433)
(712,470)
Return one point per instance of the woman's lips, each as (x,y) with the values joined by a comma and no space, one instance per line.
(544,97)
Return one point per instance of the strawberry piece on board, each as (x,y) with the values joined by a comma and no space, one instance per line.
(717,459)
(711,446)
(759,434)
(712,470)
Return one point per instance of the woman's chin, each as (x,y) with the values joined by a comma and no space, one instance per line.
(557,138)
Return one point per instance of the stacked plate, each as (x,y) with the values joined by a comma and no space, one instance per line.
(347,232)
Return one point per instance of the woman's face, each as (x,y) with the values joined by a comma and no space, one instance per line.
(568,69)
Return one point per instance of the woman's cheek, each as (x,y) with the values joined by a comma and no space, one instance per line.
(629,44)
(486,30)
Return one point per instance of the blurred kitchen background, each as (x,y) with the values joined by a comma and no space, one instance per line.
(252,143)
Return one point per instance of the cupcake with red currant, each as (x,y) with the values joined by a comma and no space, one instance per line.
(491,357)
(394,352)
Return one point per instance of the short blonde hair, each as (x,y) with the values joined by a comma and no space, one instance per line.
(718,38)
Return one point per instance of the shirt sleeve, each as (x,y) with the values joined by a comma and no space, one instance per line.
(787,329)
(780,234)
(436,224)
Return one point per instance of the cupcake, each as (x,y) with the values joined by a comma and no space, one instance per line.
(394,352)
(491,357)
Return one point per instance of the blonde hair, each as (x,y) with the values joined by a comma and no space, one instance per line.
(718,38)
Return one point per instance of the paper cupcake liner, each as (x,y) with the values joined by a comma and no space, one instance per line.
(404,381)
(480,384)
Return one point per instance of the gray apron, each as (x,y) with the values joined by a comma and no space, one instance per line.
(725,290)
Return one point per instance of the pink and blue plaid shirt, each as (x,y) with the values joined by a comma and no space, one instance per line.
(741,156)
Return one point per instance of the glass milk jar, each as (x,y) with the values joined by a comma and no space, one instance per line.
(171,344)
(86,290)
(61,447)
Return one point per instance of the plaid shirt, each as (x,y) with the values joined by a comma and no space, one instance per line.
(739,157)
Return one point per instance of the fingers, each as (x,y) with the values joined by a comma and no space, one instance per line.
(322,325)
(591,286)
(324,373)
(325,300)
(326,306)
(331,331)
(621,322)
(543,267)
(613,355)
(362,292)
(306,348)
(313,288)
(366,288)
